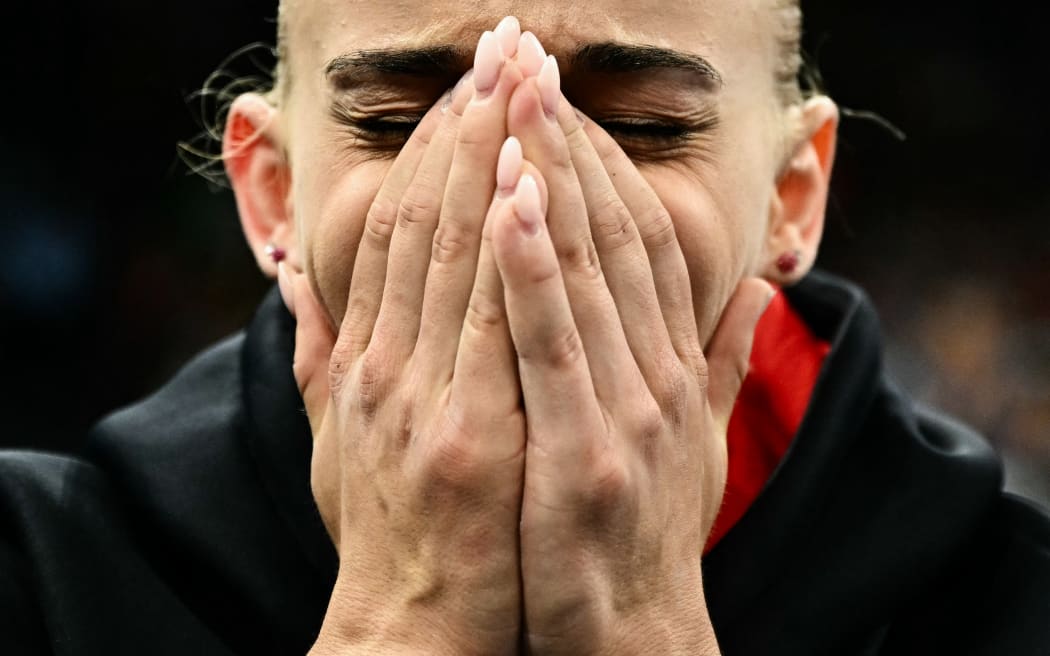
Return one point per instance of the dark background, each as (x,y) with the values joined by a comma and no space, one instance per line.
(116,265)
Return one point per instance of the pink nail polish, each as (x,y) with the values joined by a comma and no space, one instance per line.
(508,33)
(530,54)
(508,169)
(487,61)
(527,205)
(549,82)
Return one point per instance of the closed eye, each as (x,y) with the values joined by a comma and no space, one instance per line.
(380,132)
(646,129)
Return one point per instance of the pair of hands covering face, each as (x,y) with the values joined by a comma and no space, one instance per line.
(519,442)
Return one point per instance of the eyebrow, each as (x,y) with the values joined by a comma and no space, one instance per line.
(449,61)
(434,61)
(615,57)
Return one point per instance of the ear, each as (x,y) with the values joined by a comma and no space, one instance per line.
(798,207)
(253,153)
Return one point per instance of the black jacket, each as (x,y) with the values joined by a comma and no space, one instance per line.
(187,525)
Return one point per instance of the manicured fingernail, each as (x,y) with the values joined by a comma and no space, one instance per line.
(527,205)
(487,60)
(284,283)
(508,32)
(508,169)
(549,82)
(530,54)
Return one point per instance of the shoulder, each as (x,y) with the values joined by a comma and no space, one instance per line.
(885,503)
(72,571)
(170,533)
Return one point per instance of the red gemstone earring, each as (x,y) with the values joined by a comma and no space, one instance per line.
(788,262)
(276,254)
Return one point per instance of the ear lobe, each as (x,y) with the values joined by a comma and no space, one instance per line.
(797,211)
(253,154)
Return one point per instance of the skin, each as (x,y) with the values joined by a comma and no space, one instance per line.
(519,384)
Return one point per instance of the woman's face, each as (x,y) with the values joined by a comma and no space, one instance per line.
(710,144)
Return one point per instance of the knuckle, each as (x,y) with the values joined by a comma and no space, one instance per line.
(371,382)
(580,257)
(608,485)
(483,315)
(560,349)
(543,273)
(575,135)
(657,229)
(563,166)
(454,464)
(649,420)
(672,393)
(419,207)
(671,384)
(700,371)
(338,367)
(381,219)
(452,241)
(613,223)
(358,323)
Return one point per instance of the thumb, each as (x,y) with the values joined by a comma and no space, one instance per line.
(729,353)
(314,341)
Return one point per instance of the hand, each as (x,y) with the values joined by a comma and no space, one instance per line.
(415,404)
(626,415)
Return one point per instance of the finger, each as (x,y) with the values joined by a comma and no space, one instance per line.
(729,353)
(533,119)
(603,162)
(370,263)
(508,33)
(485,378)
(560,401)
(314,342)
(467,198)
(624,258)
(416,219)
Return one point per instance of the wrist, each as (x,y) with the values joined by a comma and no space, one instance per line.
(674,623)
(360,623)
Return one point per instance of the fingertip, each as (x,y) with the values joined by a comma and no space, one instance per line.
(508,32)
(531,54)
(527,205)
(509,166)
(549,82)
(528,168)
(488,58)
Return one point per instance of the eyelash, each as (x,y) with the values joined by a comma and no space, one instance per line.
(657,131)
(392,131)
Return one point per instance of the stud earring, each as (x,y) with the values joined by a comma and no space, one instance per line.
(788,262)
(276,253)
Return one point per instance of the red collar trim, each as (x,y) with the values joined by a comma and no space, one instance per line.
(786,360)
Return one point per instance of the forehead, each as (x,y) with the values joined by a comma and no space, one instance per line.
(736,35)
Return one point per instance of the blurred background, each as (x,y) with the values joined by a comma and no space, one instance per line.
(118,264)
